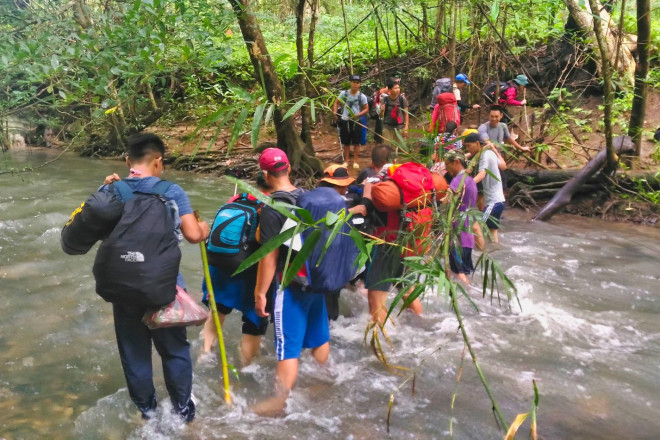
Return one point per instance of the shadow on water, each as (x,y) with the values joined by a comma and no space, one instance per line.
(588,333)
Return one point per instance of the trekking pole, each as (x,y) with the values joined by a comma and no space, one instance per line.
(216,319)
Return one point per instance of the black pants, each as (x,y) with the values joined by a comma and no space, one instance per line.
(134,342)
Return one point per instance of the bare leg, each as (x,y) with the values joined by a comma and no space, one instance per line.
(250,346)
(377,307)
(347,153)
(210,333)
(287,373)
(463,278)
(356,153)
(496,238)
(321,353)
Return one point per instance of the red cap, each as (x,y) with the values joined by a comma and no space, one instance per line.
(273,159)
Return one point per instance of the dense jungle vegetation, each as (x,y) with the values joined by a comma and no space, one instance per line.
(88,73)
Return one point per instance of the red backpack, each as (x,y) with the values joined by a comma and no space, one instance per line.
(446,110)
(415,184)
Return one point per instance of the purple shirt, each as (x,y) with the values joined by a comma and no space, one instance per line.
(468,200)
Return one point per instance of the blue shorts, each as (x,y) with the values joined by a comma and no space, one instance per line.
(492,215)
(301,321)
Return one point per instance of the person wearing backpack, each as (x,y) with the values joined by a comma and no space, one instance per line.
(462,81)
(134,339)
(235,225)
(337,178)
(349,119)
(300,318)
(442,85)
(460,260)
(510,95)
(399,205)
(394,112)
(446,110)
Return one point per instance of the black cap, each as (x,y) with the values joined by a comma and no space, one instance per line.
(355,78)
(472,137)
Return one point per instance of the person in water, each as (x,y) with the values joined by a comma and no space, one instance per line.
(300,317)
(236,292)
(134,339)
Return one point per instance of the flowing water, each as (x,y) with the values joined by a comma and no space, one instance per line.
(588,332)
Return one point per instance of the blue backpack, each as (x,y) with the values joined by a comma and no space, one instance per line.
(233,234)
(338,264)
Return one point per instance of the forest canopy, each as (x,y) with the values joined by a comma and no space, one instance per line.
(95,72)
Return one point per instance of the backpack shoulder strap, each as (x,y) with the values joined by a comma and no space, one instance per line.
(123,190)
(161,187)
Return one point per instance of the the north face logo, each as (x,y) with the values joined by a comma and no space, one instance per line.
(133,257)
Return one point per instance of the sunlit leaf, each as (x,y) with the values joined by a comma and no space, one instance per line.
(295,108)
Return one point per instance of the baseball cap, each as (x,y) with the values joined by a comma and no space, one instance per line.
(521,80)
(453,155)
(472,137)
(273,159)
(355,78)
(337,175)
(463,77)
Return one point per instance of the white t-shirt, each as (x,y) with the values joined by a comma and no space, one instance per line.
(355,102)
(493,191)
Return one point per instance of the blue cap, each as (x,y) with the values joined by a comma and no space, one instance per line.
(463,77)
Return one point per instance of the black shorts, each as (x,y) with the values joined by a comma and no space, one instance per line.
(350,132)
(386,263)
(249,327)
(461,263)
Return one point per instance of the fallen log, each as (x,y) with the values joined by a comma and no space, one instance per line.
(622,144)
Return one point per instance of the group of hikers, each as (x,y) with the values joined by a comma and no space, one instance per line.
(386,200)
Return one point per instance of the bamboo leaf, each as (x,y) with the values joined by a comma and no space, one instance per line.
(331,218)
(511,433)
(266,249)
(256,124)
(269,114)
(495,10)
(295,108)
(238,127)
(312,110)
(338,225)
(301,257)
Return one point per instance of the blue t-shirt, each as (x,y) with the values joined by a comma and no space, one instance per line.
(180,204)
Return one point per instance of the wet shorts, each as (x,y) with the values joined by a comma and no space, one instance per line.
(301,321)
(350,133)
(461,263)
(249,327)
(386,263)
(492,215)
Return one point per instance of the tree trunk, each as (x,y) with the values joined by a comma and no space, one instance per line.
(305,111)
(608,92)
(439,22)
(563,196)
(638,112)
(584,19)
(287,137)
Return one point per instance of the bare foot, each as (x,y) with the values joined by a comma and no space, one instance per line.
(272,407)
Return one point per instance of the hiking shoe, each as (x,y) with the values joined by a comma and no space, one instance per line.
(356,166)
(188,413)
(344,165)
(149,410)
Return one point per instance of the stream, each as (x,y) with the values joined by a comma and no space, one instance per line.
(587,330)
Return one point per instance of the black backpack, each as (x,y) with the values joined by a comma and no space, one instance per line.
(373,112)
(233,234)
(490,89)
(138,263)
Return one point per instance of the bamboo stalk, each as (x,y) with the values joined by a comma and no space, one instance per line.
(348,42)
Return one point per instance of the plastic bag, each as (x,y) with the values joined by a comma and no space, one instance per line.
(181,312)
